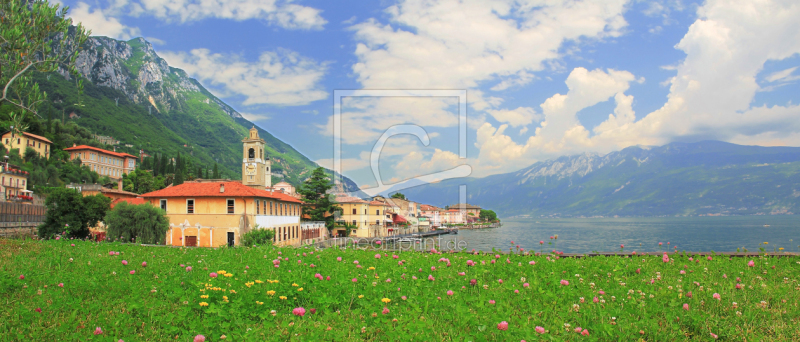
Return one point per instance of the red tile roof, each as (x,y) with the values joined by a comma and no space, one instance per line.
(349,199)
(137,200)
(87,147)
(29,135)
(211,189)
(378,203)
(426,207)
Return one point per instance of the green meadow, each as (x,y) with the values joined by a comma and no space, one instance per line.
(70,290)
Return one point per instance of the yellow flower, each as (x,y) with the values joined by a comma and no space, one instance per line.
(228,275)
(204,296)
(224,297)
(377,277)
(371,268)
(295,285)
(221,272)
(386,300)
(766,243)
(360,296)
(233,291)
(300,289)
(271,292)
(259,303)
(282,297)
(203,304)
(780,249)
(259,281)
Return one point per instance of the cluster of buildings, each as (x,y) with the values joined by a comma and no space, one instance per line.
(384,216)
(13,180)
(213,213)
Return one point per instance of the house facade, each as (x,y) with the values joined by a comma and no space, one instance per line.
(40,144)
(104,162)
(14,184)
(434,214)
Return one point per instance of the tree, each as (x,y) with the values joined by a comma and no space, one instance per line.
(142,223)
(488,215)
(34,37)
(216,172)
(398,195)
(315,193)
(69,212)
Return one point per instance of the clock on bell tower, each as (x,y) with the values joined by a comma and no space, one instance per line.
(255,165)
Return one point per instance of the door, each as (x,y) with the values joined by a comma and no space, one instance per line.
(230,239)
(191,241)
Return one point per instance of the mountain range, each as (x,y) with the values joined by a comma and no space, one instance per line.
(134,96)
(677,179)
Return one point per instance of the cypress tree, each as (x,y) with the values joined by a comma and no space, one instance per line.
(163,164)
(216,171)
(156,166)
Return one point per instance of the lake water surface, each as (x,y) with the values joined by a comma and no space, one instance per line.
(720,234)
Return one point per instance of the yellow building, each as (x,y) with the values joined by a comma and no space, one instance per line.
(218,213)
(14,184)
(104,162)
(354,212)
(38,143)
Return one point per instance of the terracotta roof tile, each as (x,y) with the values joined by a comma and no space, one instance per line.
(87,147)
(378,203)
(211,189)
(137,200)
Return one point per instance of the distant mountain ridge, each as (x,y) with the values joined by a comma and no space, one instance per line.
(684,179)
(133,95)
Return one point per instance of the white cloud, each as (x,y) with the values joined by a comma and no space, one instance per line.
(281,13)
(521,116)
(281,77)
(253,117)
(155,40)
(101,23)
(783,76)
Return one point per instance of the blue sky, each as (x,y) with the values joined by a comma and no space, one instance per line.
(543,78)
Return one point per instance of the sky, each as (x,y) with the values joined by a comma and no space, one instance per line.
(542,79)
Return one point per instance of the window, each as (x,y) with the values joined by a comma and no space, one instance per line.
(377,221)
(231,206)
(163,204)
(265,206)
(365,211)
(377,212)
(354,211)
(270,207)
(258,207)
(354,222)
(190,206)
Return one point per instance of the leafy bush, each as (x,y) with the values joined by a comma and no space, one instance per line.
(68,211)
(258,236)
(142,223)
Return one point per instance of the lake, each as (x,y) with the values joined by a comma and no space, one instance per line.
(720,234)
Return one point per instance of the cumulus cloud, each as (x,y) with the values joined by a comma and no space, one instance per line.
(101,22)
(281,77)
(285,14)
(782,76)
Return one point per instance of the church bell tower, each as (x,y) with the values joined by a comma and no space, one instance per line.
(255,165)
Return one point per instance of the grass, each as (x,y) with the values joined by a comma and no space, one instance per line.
(643,296)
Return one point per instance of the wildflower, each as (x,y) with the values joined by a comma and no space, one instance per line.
(271,292)
(564,282)
(431,278)
(39,310)
(386,300)
(298,290)
(203,304)
(525,285)
(531,262)
(385,311)
(360,296)
(132,271)
(60,284)
(22,277)
(282,297)
(144,264)
(686,307)
(403,297)
(188,268)
(491,301)
(751,263)
(125,262)
(213,275)
(585,332)
(500,281)
(449,292)
(299,311)
(98,331)
(714,336)
(665,258)
(502,325)
(595,300)
(199,338)
(539,330)
(355,280)
(377,256)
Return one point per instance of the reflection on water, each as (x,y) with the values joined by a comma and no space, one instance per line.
(720,234)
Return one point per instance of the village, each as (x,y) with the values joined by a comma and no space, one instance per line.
(218,212)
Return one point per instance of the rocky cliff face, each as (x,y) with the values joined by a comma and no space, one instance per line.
(134,68)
